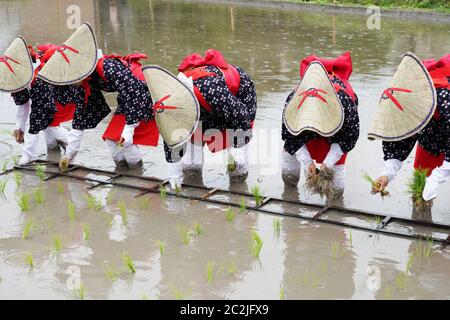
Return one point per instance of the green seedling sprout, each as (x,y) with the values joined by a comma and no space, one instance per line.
(231,166)
(29,260)
(230,215)
(277,225)
(3,184)
(123,211)
(185,235)
(71,209)
(161,245)
(210,271)
(86,231)
(40,171)
(178,294)
(80,292)
(257,243)
(282,293)
(24,201)
(178,188)
(198,228)
(15,159)
(145,296)
(242,206)
(57,243)
(424,250)
(337,249)
(257,195)
(92,202)
(401,280)
(162,192)
(350,239)
(375,184)
(415,189)
(388,292)
(111,273)
(29,226)
(5,165)
(59,187)
(18,178)
(38,195)
(128,262)
(232,269)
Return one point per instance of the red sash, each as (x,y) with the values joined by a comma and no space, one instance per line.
(425,160)
(146,133)
(63,113)
(318,149)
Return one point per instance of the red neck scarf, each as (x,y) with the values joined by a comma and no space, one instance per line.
(195,60)
(439,71)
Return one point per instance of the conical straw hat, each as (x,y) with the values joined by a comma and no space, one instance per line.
(74,60)
(315,105)
(177,111)
(16,67)
(407,105)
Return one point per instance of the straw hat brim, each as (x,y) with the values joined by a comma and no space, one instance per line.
(19,60)
(58,71)
(176,126)
(391,123)
(324,115)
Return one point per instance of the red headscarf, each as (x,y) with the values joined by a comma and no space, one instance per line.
(195,60)
(439,71)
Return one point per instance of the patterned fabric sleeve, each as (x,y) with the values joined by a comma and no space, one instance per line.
(443,101)
(43,108)
(133,99)
(399,150)
(21,97)
(236,112)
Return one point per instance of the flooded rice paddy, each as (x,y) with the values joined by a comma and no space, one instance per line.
(58,233)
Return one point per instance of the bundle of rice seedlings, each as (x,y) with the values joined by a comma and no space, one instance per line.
(375,185)
(323,184)
(231,166)
(415,189)
(128,262)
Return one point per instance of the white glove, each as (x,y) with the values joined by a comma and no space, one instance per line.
(74,141)
(304,157)
(127,134)
(240,157)
(391,168)
(30,149)
(333,156)
(23,111)
(188,82)
(175,174)
(439,175)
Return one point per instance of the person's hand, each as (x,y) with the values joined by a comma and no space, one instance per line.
(312,170)
(380,184)
(18,135)
(64,162)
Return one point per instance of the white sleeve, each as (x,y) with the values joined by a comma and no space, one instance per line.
(23,111)
(128,132)
(439,175)
(74,141)
(391,168)
(333,156)
(303,156)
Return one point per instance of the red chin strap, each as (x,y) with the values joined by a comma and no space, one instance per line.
(311,92)
(4,59)
(159,105)
(389,92)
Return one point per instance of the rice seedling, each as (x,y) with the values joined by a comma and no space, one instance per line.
(198,229)
(92,202)
(282,293)
(257,243)
(312,279)
(24,201)
(40,171)
(5,165)
(71,209)
(18,178)
(110,197)
(86,231)
(161,245)
(60,187)
(111,273)
(29,260)
(257,196)
(210,271)
(230,215)
(231,165)
(38,195)
(323,184)
(57,243)
(123,211)
(350,239)
(409,264)
(145,296)
(242,207)
(128,262)
(3,184)
(277,226)
(423,249)
(80,292)
(29,226)
(185,235)
(179,295)
(378,220)
(388,292)
(232,269)
(401,280)
(415,189)
(337,249)
(178,189)
(162,192)
(375,185)
(15,159)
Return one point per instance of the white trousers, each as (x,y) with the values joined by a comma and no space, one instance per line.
(193,158)
(291,168)
(130,154)
(53,135)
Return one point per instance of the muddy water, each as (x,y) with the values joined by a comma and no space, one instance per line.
(308,260)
